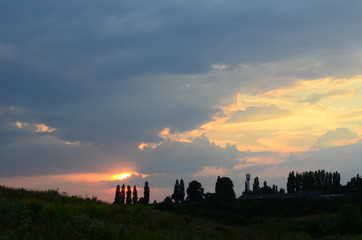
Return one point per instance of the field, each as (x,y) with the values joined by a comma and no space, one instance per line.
(52,215)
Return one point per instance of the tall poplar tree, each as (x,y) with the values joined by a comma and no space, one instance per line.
(117,198)
(182,191)
(291,182)
(135,196)
(123,194)
(129,195)
(176,192)
(256,186)
(146,193)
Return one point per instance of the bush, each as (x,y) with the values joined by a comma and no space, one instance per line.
(349,219)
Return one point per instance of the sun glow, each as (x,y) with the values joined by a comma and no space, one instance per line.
(121,176)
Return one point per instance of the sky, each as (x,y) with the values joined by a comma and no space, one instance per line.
(99,93)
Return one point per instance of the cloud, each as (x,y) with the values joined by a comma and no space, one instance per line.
(254,114)
(35,127)
(344,159)
(187,157)
(316,97)
(45,155)
(211,171)
(338,137)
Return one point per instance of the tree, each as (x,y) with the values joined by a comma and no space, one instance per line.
(176,192)
(117,198)
(266,189)
(224,189)
(146,193)
(195,192)
(129,195)
(354,186)
(135,196)
(256,186)
(291,182)
(182,191)
(336,179)
(298,182)
(123,194)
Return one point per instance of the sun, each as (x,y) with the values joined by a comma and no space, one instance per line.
(121,176)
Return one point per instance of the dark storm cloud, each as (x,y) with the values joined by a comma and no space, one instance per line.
(114,73)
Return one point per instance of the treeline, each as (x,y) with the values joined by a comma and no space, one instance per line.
(126,195)
(322,181)
(318,182)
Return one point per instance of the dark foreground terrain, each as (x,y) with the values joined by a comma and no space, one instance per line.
(51,215)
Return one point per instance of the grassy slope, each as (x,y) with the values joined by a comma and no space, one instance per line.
(51,215)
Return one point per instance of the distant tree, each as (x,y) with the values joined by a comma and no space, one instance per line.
(135,196)
(298,182)
(275,189)
(123,194)
(167,204)
(182,191)
(195,192)
(146,193)
(129,195)
(266,189)
(319,180)
(322,179)
(291,182)
(224,189)
(336,179)
(217,185)
(176,192)
(117,198)
(354,186)
(282,191)
(256,187)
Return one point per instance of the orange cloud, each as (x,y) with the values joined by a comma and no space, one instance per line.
(211,171)
(283,120)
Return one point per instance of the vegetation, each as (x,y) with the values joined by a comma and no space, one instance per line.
(322,181)
(261,213)
(316,205)
(29,215)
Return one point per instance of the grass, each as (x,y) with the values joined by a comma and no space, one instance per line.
(49,214)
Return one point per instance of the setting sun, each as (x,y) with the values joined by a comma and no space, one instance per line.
(121,176)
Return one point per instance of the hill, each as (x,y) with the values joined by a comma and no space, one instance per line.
(52,215)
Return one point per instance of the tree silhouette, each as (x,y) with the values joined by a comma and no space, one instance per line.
(291,182)
(224,189)
(246,188)
(298,182)
(123,194)
(182,190)
(129,195)
(176,192)
(117,198)
(354,186)
(266,189)
(195,192)
(134,195)
(146,193)
(256,186)
(320,180)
